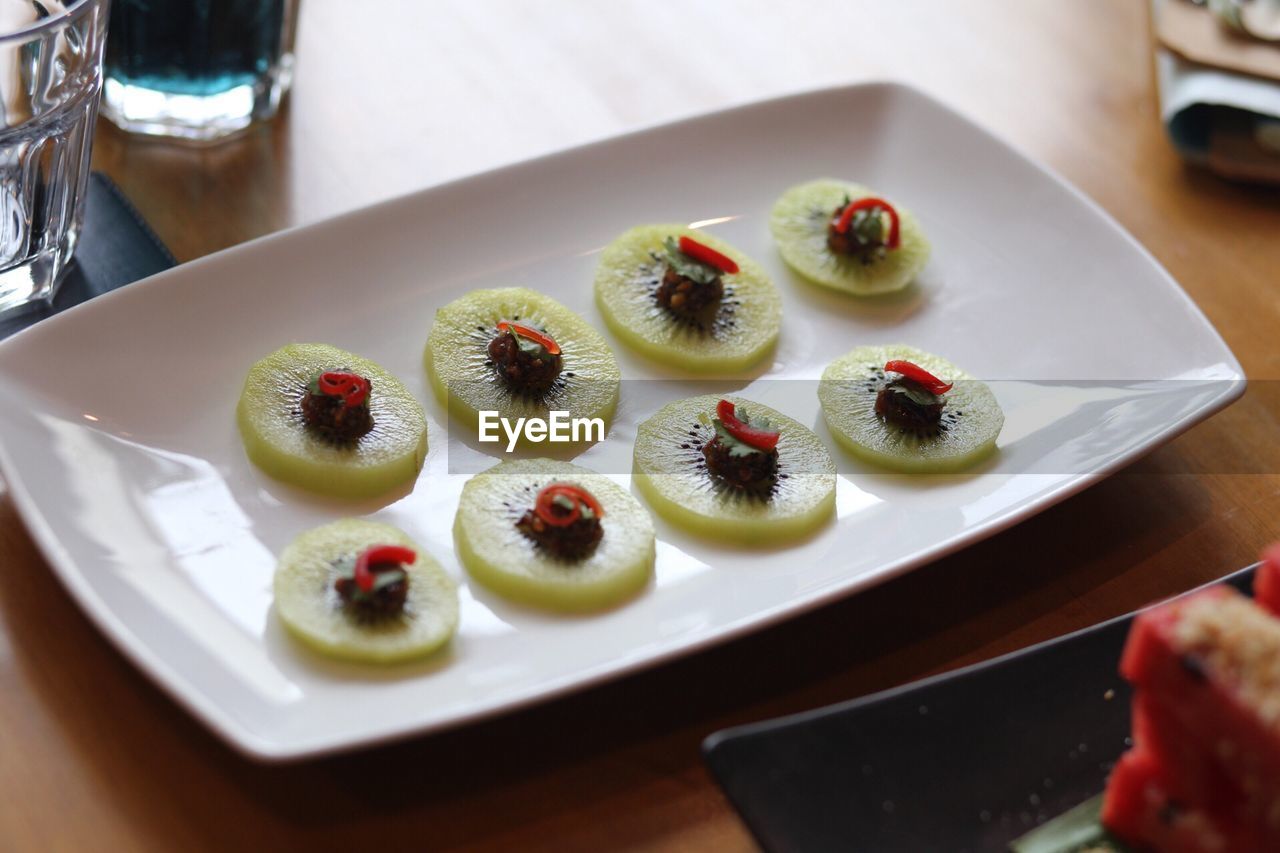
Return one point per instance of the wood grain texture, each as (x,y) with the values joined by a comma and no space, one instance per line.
(92,756)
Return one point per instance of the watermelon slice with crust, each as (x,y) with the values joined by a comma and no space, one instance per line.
(1206,669)
(1139,810)
(1266,583)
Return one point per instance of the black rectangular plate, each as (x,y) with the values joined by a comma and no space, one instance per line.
(965,761)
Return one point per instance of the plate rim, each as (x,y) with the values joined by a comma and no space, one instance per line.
(253,745)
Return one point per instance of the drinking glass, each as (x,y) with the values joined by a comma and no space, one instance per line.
(50,79)
(199,70)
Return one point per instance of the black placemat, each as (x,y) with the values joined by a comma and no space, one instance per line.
(116,247)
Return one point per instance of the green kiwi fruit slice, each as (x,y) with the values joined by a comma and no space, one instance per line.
(465,379)
(799,224)
(278,441)
(505,560)
(971,417)
(311,608)
(671,473)
(729,335)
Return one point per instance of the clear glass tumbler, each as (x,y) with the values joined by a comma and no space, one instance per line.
(50,80)
(199,70)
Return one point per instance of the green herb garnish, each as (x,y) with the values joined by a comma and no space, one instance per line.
(914,393)
(736,446)
(1076,831)
(567,504)
(867,226)
(346,569)
(528,346)
(688,267)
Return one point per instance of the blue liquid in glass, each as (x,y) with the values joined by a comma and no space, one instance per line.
(193,47)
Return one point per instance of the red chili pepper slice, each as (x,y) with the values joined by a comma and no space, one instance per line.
(919,375)
(378,555)
(542,339)
(846,218)
(545,505)
(761,439)
(707,255)
(351,387)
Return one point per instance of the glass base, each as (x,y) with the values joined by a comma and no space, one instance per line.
(34,282)
(195,118)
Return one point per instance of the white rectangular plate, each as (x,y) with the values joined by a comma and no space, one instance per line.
(120,447)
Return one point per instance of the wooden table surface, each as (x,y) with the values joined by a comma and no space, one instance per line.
(93,756)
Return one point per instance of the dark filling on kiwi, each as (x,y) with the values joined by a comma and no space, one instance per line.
(524,365)
(910,407)
(384,601)
(754,471)
(569,542)
(703,456)
(686,297)
(737,464)
(688,289)
(865,238)
(328,415)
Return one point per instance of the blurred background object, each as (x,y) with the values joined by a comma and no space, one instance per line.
(1257,18)
(50,77)
(1218,70)
(198,70)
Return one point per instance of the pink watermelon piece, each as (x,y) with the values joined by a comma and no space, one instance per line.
(1207,714)
(1266,582)
(1140,811)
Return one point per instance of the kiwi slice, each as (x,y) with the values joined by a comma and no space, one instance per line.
(313,611)
(971,418)
(732,334)
(503,559)
(464,378)
(277,441)
(799,223)
(671,473)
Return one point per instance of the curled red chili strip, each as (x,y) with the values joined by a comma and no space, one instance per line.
(351,387)
(760,439)
(846,218)
(377,555)
(708,255)
(919,375)
(541,338)
(546,507)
